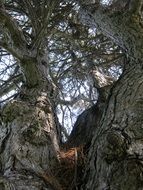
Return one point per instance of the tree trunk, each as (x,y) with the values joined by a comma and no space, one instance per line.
(116,153)
(115,158)
(29,141)
(29,145)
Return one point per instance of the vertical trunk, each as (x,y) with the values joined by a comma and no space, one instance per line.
(28,135)
(116,152)
(115,158)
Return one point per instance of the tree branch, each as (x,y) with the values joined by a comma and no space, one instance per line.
(124,29)
(70,102)
(31,14)
(13,50)
(16,34)
(10,84)
(135,6)
(42,30)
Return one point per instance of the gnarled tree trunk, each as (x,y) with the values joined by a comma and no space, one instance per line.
(115,158)
(29,144)
(116,152)
(29,140)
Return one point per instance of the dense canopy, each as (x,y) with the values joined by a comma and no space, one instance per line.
(75,52)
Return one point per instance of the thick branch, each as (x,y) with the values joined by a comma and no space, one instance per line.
(41,33)
(13,50)
(125,29)
(16,34)
(135,6)
(31,14)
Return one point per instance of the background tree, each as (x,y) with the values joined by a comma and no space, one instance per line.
(56,62)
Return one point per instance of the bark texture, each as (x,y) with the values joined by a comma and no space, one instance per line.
(115,156)
(29,145)
(88,121)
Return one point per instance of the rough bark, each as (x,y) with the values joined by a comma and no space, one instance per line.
(88,121)
(123,26)
(115,156)
(29,131)
(29,146)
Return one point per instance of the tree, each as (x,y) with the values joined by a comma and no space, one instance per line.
(49,44)
(116,150)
